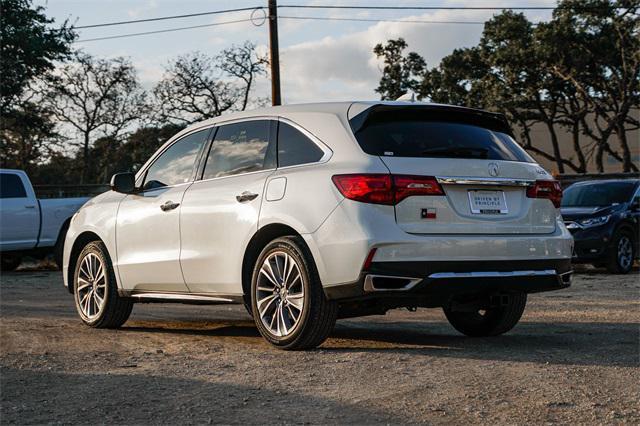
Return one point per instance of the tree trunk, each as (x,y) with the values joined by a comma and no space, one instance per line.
(600,154)
(575,130)
(624,145)
(556,147)
(85,159)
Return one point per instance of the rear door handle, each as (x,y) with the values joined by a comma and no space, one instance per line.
(246,196)
(30,207)
(169,205)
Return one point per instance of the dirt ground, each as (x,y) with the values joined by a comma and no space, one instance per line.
(574,358)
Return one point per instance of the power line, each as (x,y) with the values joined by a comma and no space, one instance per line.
(162,18)
(298,6)
(163,31)
(310,18)
(407,21)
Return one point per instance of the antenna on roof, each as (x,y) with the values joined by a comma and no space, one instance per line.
(408,97)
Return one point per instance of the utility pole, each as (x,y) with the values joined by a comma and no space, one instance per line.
(274,53)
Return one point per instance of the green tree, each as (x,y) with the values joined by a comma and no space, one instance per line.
(400,73)
(27,136)
(29,47)
(594,46)
(579,71)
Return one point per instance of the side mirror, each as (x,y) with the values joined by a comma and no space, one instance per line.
(124,183)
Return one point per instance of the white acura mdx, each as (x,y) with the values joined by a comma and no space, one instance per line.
(309,213)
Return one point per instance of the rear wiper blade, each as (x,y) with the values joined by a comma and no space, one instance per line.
(457,151)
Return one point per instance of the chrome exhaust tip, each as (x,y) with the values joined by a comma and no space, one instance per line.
(373,283)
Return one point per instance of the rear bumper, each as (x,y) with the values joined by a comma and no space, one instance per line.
(345,240)
(434,283)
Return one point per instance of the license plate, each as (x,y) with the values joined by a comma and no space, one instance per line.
(487,202)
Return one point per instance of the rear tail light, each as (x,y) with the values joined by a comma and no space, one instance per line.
(384,188)
(549,189)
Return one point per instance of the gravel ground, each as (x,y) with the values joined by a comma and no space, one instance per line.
(574,358)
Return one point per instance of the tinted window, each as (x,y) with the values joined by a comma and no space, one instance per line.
(598,194)
(295,148)
(176,164)
(240,148)
(406,133)
(11,186)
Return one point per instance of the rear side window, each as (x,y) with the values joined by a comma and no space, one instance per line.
(240,148)
(433,134)
(11,186)
(295,148)
(176,164)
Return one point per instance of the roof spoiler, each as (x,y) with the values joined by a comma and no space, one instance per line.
(436,112)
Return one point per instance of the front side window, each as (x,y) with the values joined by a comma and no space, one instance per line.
(11,186)
(240,148)
(176,164)
(295,148)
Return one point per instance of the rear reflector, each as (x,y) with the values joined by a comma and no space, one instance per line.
(549,189)
(384,188)
(369,259)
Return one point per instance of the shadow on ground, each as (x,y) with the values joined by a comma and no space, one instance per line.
(88,398)
(581,343)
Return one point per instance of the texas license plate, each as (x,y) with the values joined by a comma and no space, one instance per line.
(487,202)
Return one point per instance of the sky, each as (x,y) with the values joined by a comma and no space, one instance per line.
(319,60)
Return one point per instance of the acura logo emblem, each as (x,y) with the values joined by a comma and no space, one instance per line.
(493,169)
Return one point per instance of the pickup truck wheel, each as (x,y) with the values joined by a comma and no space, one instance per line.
(10,262)
(622,253)
(95,289)
(491,321)
(289,305)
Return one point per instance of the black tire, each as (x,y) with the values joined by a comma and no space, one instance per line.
(58,249)
(318,315)
(10,262)
(494,321)
(617,261)
(116,309)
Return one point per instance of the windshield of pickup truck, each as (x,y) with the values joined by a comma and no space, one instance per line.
(598,194)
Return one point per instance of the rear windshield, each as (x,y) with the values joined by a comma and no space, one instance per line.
(598,194)
(406,133)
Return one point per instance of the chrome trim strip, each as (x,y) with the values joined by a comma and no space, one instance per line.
(460,180)
(492,274)
(179,297)
(369,287)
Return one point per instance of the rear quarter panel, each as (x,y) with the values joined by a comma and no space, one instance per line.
(310,195)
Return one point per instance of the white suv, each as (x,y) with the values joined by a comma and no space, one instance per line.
(309,213)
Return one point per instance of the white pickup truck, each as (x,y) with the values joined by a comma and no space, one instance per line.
(29,226)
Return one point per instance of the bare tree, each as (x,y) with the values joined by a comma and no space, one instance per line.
(96,98)
(197,86)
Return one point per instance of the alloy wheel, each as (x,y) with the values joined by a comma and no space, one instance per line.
(280,293)
(625,252)
(91,286)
